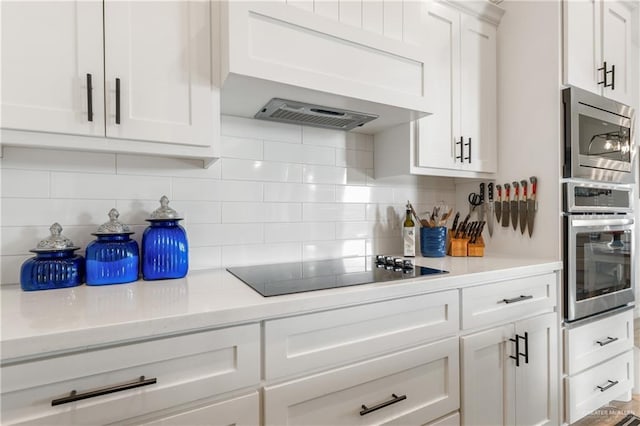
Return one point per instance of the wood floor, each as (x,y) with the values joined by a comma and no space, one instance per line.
(611,414)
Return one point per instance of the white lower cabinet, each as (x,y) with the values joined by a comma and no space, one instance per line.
(115,383)
(510,374)
(413,386)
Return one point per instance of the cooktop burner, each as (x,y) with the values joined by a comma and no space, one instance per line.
(297,277)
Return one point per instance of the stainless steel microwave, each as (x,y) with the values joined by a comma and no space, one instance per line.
(599,137)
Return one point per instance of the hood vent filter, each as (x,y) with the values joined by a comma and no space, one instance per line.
(293,112)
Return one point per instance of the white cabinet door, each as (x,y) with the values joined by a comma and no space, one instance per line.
(478,93)
(160,53)
(536,381)
(436,133)
(598,37)
(488,377)
(48,50)
(616,49)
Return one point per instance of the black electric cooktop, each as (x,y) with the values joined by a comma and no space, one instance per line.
(297,277)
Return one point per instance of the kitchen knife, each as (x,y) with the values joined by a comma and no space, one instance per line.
(505,205)
(490,208)
(523,206)
(514,205)
(481,206)
(498,204)
(532,204)
(455,221)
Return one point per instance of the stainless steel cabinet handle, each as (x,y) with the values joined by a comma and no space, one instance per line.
(607,341)
(516,299)
(89,98)
(75,396)
(395,399)
(608,386)
(117,101)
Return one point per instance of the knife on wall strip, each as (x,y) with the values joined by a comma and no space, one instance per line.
(498,204)
(481,207)
(490,206)
(523,207)
(505,205)
(514,205)
(532,204)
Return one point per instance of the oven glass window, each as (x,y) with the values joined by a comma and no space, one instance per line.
(602,139)
(603,263)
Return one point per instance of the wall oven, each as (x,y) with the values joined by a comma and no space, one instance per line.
(599,137)
(599,254)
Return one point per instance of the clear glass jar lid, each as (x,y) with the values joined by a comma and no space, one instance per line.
(114,226)
(55,242)
(164,212)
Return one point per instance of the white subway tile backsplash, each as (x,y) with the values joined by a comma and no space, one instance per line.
(245,148)
(299,192)
(44,212)
(333,249)
(47,159)
(25,183)
(259,129)
(233,212)
(161,166)
(234,169)
(259,254)
(334,212)
(113,187)
(303,231)
(324,174)
(280,193)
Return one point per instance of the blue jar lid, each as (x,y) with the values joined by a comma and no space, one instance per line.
(164,212)
(55,242)
(114,226)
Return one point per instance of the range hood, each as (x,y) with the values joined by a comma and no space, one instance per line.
(273,50)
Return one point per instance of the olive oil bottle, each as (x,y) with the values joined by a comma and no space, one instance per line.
(409,234)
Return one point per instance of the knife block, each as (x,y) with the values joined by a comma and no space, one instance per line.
(476,249)
(458,247)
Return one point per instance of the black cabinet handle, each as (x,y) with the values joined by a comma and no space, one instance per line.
(460,157)
(607,341)
(608,386)
(395,399)
(604,74)
(117,101)
(526,348)
(75,396)
(89,98)
(613,77)
(517,355)
(469,145)
(516,299)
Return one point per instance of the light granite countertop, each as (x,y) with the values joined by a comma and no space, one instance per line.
(80,318)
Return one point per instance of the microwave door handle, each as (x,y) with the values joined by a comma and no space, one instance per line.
(589,223)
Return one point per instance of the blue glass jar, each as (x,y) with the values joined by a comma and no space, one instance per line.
(113,258)
(165,250)
(55,264)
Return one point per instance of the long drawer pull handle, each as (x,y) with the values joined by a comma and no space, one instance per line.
(516,299)
(117,101)
(395,399)
(75,396)
(89,98)
(610,385)
(606,342)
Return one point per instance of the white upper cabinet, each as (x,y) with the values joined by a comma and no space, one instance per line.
(362,56)
(129,73)
(459,138)
(46,66)
(598,47)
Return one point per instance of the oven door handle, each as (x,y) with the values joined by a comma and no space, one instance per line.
(588,223)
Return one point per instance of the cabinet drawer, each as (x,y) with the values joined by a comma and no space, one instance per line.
(508,300)
(423,379)
(186,368)
(595,342)
(598,385)
(326,339)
